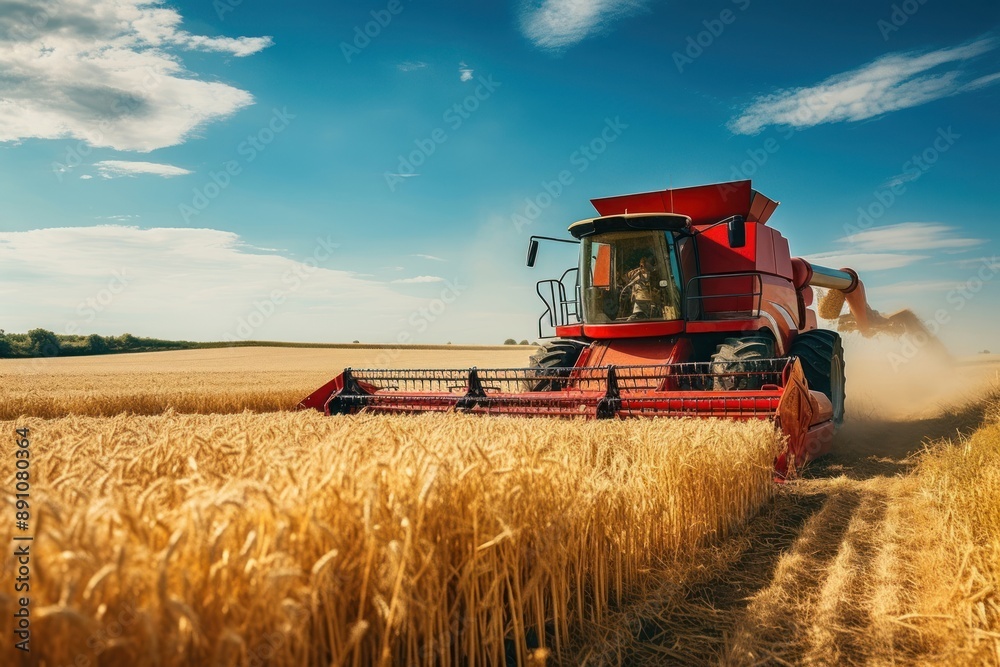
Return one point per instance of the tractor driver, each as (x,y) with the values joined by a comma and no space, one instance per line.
(640,281)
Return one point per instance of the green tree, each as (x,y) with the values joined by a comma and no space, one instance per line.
(125,342)
(43,343)
(510,341)
(97,344)
(6,351)
(525,342)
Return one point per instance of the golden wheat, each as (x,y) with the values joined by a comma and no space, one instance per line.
(297,539)
(958,492)
(222,381)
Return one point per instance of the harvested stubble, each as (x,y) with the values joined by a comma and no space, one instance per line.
(296,539)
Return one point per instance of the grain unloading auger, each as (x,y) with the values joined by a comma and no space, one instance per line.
(684,304)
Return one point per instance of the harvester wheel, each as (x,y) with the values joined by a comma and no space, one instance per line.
(822,355)
(736,363)
(555,354)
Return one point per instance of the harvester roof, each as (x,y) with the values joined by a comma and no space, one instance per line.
(633,221)
(703,204)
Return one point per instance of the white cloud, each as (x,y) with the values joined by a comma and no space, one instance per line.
(908,236)
(85,177)
(418,280)
(116,168)
(107,72)
(558,24)
(901,179)
(431,258)
(893,246)
(893,82)
(465,73)
(863,262)
(187,284)
(988,263)
(912,287)
(411,65)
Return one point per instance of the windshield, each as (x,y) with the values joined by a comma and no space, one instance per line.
(629,276)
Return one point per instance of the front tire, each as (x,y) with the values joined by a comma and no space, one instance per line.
(744,357)
(554,354)
(822,355)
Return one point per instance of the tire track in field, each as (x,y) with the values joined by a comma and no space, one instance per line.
(818,577)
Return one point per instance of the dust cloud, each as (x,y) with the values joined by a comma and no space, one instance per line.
(892,378)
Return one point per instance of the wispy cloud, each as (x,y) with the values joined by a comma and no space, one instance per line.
(989,263)
(431,258)
(411,65)
(465,72)
(903,178)
(907,236)
(912,287)
(894,246)
(117,168)
(890,83)
(108,72)
(863,261)
(559,24)
(418,280)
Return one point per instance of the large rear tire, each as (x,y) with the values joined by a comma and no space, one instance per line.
(555,354)
(822,355)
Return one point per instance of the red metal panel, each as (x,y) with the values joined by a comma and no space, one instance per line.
(634,352)
(633,329)
(715,255)
(761,208)
(724,326)
(704,204)
(765,250)
(782,257)
(570,331)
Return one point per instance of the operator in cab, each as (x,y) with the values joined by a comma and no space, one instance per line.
(639,283)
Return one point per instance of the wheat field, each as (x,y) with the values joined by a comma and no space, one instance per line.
(298,539)
(183,516)
(216,381)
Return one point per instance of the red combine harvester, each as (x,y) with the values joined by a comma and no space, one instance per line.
(684,304)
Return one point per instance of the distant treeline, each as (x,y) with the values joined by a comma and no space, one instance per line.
(43,343)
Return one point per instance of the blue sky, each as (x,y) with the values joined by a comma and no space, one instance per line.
(224,170)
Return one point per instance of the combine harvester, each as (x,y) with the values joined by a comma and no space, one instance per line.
(685,303)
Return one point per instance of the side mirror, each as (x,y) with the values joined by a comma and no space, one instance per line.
(532,252)
(737,232)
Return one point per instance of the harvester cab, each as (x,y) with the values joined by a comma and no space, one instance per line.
(684,303)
